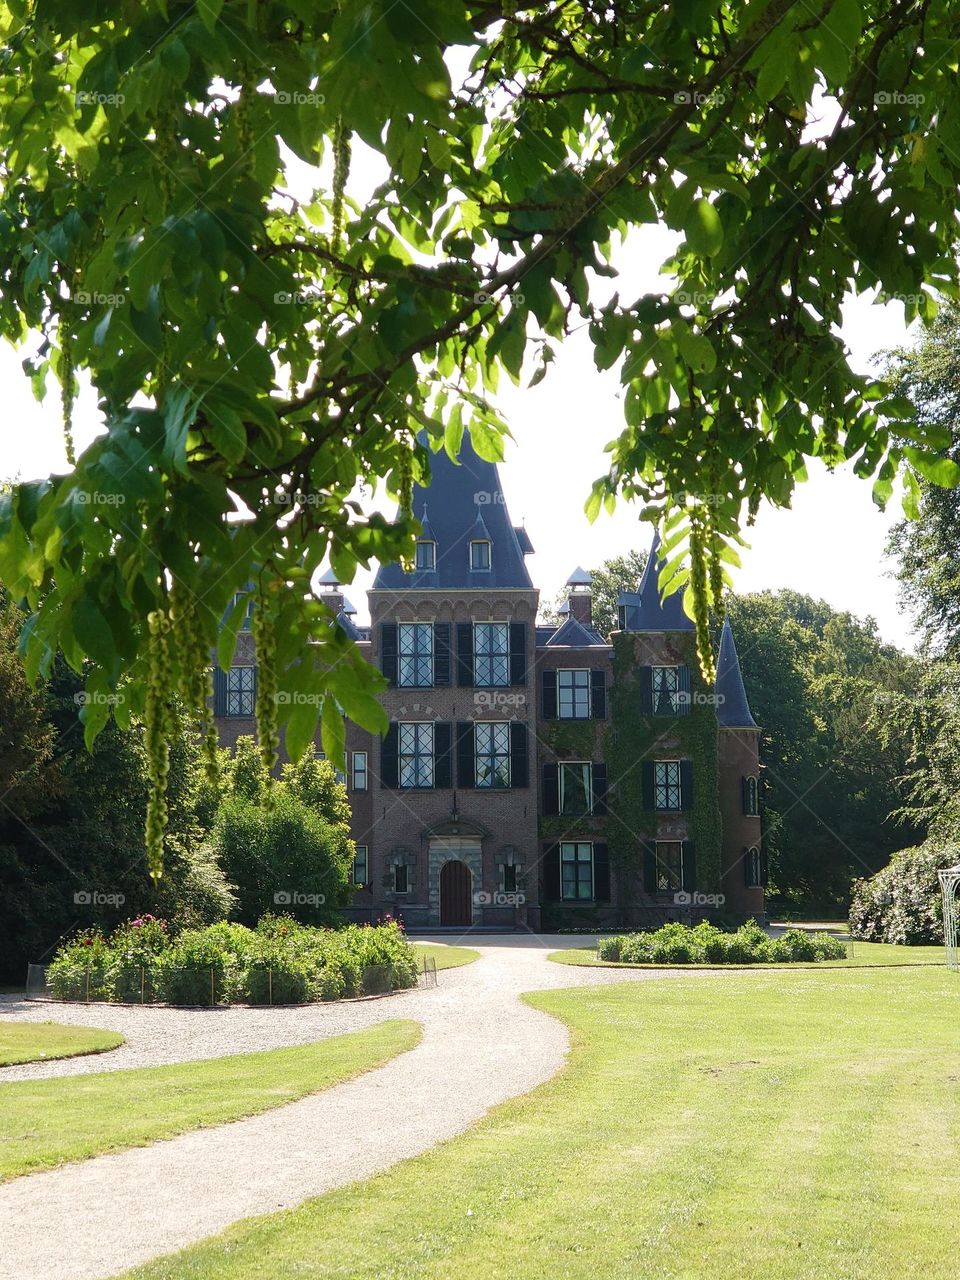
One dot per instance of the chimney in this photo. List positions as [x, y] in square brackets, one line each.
[580, 598]
[330, 592]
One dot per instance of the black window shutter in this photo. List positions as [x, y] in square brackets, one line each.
[443, 754]
[649, 867]
[388, 651]
[744, 795]
[551, 873]
[441, 654]
[519, 768]
[646, 691]
[683, 687]
[598, 694]
[601, 873]
[550, 788]
[518, 653]
[599, 772]
[686, 784]
[764, 868]
[466, 762]
[548, 694]
[465, 654]
[646, 783]
[219, 692]
[689, 866]
[389, 757]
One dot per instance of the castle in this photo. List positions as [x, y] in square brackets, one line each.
[537, 776]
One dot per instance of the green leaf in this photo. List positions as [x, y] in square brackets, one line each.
[301, 726]
[703, 229]
[209, 11]
[333, 733]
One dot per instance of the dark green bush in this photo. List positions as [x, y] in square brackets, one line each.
[706, 944]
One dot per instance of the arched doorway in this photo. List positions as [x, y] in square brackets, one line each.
[456, 893]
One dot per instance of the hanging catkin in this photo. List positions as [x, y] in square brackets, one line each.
[341, 170]
[262, 625]
[158, 716]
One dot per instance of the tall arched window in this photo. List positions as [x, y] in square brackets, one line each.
[751, 798]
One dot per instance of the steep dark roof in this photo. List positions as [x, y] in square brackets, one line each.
[733, 710]
[463, 498]
[576, 635]
[523, 538]
[348, 625]
[580, 578]
[643, 609]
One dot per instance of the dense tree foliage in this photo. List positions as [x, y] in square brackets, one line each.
[928, 546]
[259, 352]
[293, 854]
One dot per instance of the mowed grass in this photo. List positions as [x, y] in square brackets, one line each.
[44, 1123]
[859, 955]
[40, 1041]
[445, 956]
[789, 1123]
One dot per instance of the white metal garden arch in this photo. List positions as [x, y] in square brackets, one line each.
[949, 880]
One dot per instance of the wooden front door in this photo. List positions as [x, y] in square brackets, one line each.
[456, 893]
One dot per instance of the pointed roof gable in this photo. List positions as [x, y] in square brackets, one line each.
[463, 499]
[426, 532]
[733, 710]
[643, 609]
[576, 635]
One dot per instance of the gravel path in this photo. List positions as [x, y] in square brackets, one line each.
[481, 1045]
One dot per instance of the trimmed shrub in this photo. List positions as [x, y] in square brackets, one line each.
[706, 944]
[902, 903]
[279, 962]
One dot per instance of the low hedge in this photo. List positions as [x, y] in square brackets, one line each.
[278, 962]
[678, 944]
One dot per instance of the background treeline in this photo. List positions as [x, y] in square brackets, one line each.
[71, 823]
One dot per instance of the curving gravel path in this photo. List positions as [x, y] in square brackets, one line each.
[481, 1045]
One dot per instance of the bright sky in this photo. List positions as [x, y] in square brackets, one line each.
[830, 544]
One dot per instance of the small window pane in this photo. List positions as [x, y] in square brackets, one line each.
[480, 555]
[666, 687]
[426, 555]
[416, 755]
[754, 869]
[415, 645]
[241, 691]
[360, 865]
[669, 866]
[573, 695]
[491, 654]
[575, 788]
[400, 877]
[492, 754]
[359, 771]
[509, 877]
[576, 871]
[666, 780]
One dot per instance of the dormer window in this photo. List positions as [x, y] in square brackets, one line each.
[480, 555]
[426, 560]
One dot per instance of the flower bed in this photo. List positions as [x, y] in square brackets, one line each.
[706, 944]
[278, 962]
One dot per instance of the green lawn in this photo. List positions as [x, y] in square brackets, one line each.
[792, 1124]
[860, 954]
[446, 957]
[46, 1122]
[33, 1041]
